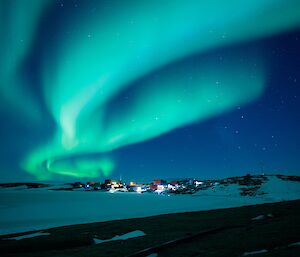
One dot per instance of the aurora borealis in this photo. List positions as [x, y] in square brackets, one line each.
[83, 82]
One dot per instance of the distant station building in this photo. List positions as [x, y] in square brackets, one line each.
[159, 185]
[110, 183]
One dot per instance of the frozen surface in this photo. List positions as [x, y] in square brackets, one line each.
[132, 234]
[30, 235]
[259, 217]
[294, 244]
[255, 252]
[281, 189]
[262, 217]
[35, 209]
[31, 209]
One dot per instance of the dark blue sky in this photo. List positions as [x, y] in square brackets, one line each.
[260, 136]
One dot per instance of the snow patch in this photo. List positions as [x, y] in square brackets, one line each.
[259, 217]
[132, 234]
[294, 244]
[262, 217]
[255, 252]
[29, 235]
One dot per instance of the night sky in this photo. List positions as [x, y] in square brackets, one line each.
[148, 89]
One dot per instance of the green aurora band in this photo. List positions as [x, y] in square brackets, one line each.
[17, 30]
[108, 51]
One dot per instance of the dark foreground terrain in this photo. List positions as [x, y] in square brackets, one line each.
[273, 228]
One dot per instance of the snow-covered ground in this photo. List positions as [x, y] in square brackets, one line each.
[275, 189]
[33, 209]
